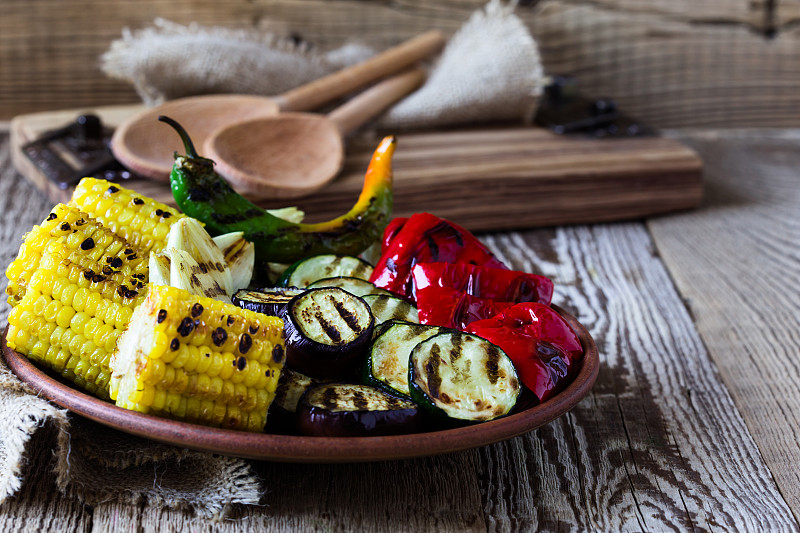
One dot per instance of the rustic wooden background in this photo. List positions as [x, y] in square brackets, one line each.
[691, 426]
[670, 63]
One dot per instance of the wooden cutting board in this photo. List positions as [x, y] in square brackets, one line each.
[484, 179]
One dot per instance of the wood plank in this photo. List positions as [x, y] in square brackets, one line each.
[736, 264]
[432, 494]
[786, 16]
[669, 63]
[672, 71]
[483, 179]
[659, 444]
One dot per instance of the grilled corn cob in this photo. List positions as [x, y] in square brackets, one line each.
[87, 242]
[139, 220]
[71, 316]
[197, 359]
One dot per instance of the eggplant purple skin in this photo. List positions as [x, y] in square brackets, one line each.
[269, 309]
[319, 360]
[320, 422]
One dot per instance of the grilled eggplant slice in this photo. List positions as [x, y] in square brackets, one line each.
[306, 271]
[461, 378]
[327, 330]
[349, 410]
[357, 286]
[291, 387]
[386, 366]
[268, 301]
[387, 307]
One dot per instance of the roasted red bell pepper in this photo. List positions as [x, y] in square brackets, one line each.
[391, 231]
[425, 238]
[452, 308]
[544, 349]
[484, 282]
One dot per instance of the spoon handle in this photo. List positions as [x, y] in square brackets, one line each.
[377, 98]
[312, 95]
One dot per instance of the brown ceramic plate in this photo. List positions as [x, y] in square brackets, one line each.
[290, 448]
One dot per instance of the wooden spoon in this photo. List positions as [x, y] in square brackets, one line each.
[146, 147]
[293, 154]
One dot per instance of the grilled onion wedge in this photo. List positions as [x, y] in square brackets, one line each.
[327, 332]
[350, 410]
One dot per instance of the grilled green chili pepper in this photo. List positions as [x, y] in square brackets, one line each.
[203, 194]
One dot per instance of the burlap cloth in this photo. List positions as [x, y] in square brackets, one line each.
[489, 70]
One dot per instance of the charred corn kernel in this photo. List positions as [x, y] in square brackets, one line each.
[87, 243]
[48, 328]
[139, 220]
[159, 369]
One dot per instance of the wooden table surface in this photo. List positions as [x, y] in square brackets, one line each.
[692, 426]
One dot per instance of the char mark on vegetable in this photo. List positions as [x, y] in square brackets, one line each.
[219, 336]
[432, 372]
[330, 398]
[493, 364]
[360, 401]
[349, 318]
[233, 218]
[455, 351]
[186, 327]
[245, 343]
[277, 353]
[196, 194]
[329, 328]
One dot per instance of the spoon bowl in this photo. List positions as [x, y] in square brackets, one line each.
[148, 150]
[293, 154]
[284, 156]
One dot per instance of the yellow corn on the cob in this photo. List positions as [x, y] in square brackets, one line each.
[87, 242]
[197, 359]
[138, 219]
[71, 317]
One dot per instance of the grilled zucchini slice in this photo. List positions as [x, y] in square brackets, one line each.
[357, 286]
[306, 271]
[461, 378]
[386, 366]
[350, 410]
[387, 307]
[328, 331]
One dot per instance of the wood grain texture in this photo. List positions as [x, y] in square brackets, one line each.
[659, 445]
[669, 63]
[670, 70]
[484, 179]
[786, 16]
[736, 263]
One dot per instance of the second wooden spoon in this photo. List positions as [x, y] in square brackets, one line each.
[294, 154]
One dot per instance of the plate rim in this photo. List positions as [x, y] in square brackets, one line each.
[308, 449]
